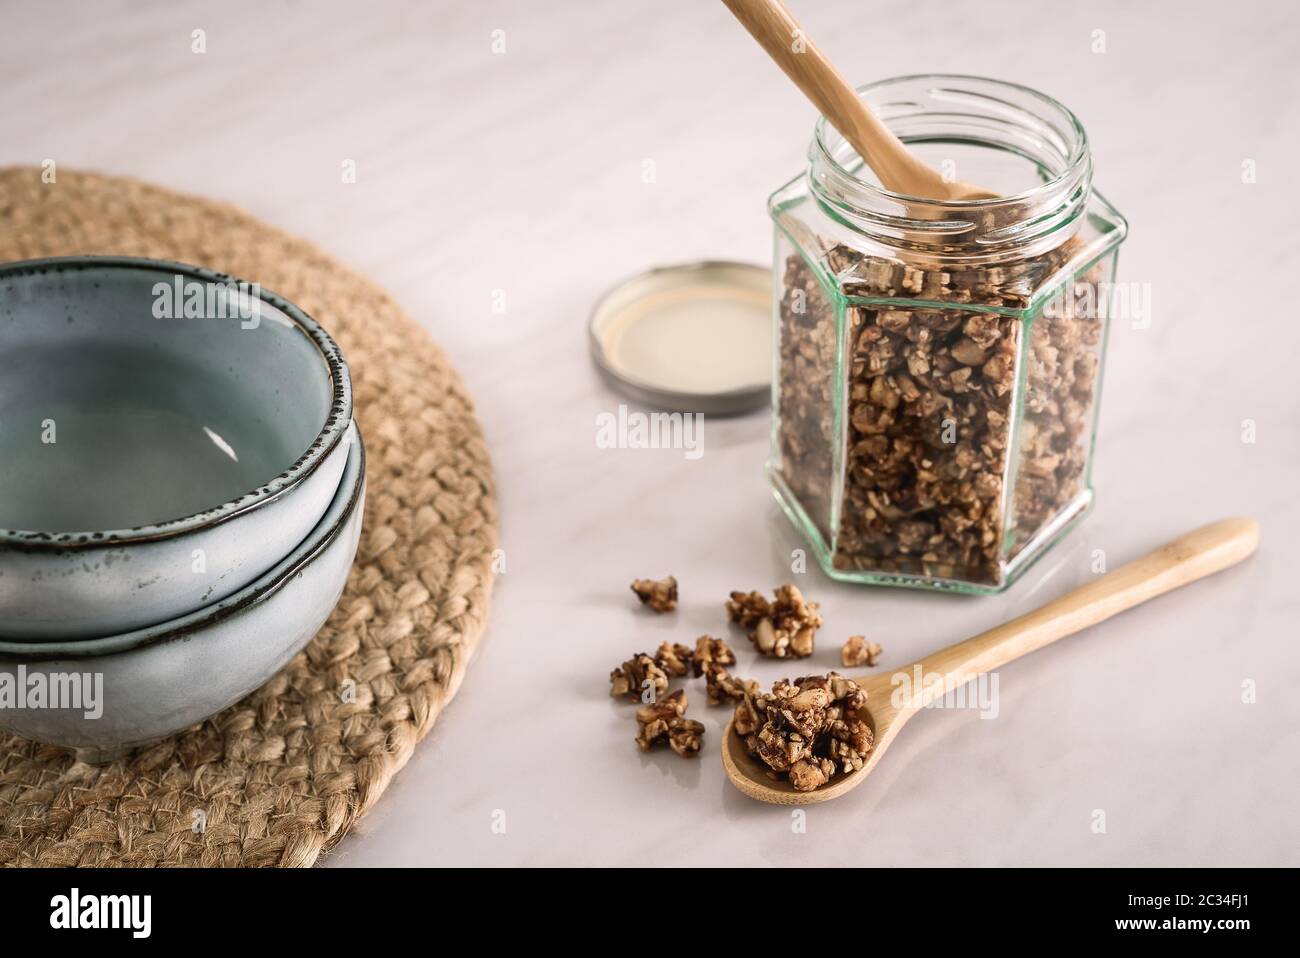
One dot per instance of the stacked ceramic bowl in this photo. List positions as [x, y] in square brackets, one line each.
[181, 492]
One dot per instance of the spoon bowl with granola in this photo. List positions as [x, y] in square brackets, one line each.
[809, 740]
[818, 737]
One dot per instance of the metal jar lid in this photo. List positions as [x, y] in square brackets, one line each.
[690, 338]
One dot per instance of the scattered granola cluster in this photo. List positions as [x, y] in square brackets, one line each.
[710, 659]
[806, 730]
[671, 660]
[785, 628]
[930, 401]
[858, 652]
[662, 716]
[665, 721]
[659, 594]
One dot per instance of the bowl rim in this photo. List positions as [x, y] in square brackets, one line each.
[327, 439]
[340, 512]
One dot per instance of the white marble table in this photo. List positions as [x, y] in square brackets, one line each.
[521, 172]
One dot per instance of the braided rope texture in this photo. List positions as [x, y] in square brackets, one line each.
[283, 775]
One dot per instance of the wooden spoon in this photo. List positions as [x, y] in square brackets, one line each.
[1208, 550]
[898, 168]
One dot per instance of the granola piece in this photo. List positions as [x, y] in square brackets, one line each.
[858, 652]
[847, 694]
[802, 705]
[747, 609]
[746, 719]
[807, 729]
[659, 594]
[790, 628]
[636, 676]
[722, 686]
[779, 751]
[851, 740]
[764, 639]
[685, 737]
[668, 707]
[665, 721]
[710, 652]
[968, 352]
[796, 617]
[809, 774]
[674, 658]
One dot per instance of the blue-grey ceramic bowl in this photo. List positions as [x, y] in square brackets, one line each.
[167, 435]
[129, 689]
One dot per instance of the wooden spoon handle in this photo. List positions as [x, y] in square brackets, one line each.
[785, 42]
[1203, 552]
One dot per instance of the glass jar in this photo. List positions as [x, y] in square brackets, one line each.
[938, 364]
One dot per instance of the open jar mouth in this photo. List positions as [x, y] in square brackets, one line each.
[1008, 138]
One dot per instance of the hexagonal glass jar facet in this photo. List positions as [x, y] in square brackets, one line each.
[938, 366]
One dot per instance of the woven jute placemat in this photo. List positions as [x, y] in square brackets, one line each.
[281, 776]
